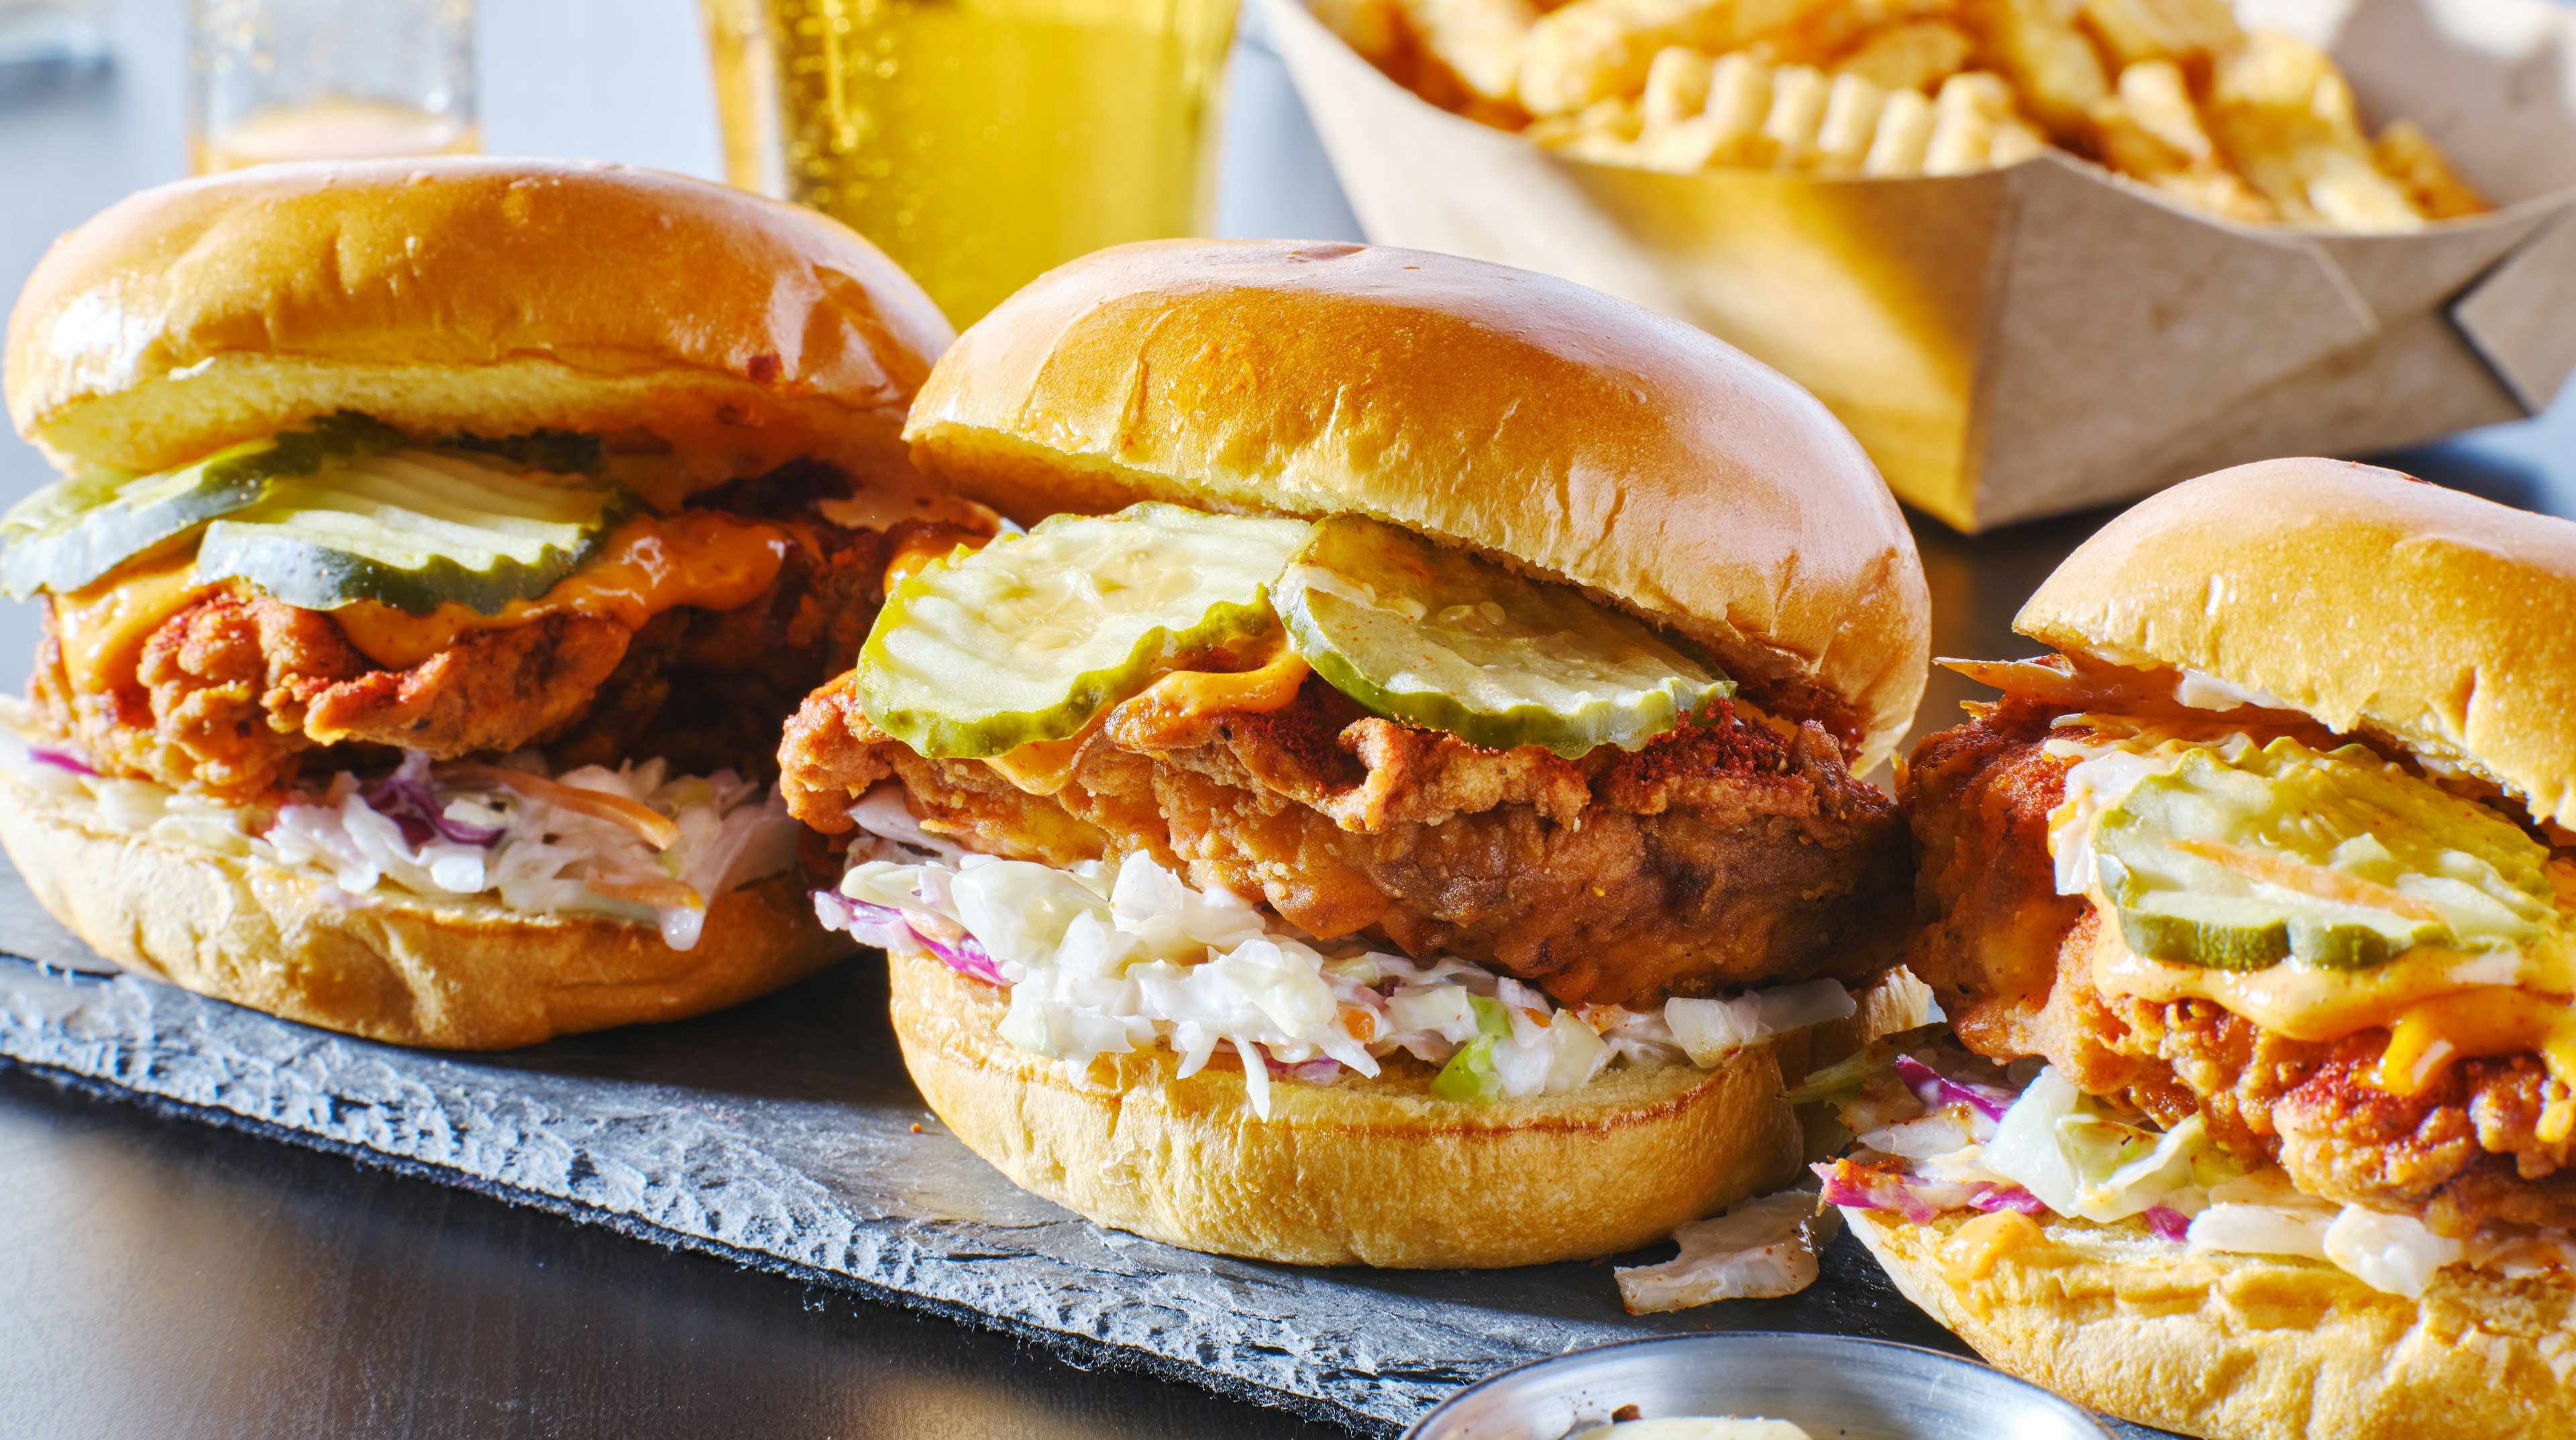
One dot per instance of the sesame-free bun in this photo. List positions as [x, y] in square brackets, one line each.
[1367, 1171]
[2370, 600]
[1552, 426]
[2239, 1347]
[468, 295]
[462, 974]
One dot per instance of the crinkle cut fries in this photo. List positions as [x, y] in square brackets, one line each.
[2253, 125]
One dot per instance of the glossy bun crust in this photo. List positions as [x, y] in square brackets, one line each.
[1540, 422]
[2241, 1347]
[449, 295]
[455, 975]
[2370, 600]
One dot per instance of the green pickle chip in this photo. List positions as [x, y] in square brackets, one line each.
[1030, 637]
[76, 530]
[1417, 631]
[2336, 860]
[414, 529]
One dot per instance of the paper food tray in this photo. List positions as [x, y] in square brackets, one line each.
[2035, 340]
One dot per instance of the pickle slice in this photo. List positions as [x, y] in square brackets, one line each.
[2284, 853]
[1031, 636]
[1416, 631]
[74, 531]
[2216, 932]
[2221, 932]
[414, 530]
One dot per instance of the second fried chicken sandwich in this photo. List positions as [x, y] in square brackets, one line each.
[442, 545]
[2254, 909]
[1397, 803]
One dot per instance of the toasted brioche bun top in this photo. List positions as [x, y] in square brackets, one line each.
[475, 295]
[1551, 426]
[2368, 599]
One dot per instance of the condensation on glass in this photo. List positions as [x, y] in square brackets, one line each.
[978, 142]
[329, 80]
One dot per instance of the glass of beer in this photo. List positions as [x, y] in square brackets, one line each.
[329, 80]
[978, 142]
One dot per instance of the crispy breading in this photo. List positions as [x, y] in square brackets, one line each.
[707, 690]
[210, 680]
[1985, 889]
[1717, 855]
[2011, 962]
[491, 690]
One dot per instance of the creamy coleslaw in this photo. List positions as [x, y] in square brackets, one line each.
[1101, 959]
[636, 843]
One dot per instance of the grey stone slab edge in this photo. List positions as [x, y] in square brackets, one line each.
[719, 1152]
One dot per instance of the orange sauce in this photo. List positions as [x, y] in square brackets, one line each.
[2477, 1024]
[104, 626]
[701, 558]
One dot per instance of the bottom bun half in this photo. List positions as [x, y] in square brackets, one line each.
[1375, 1172]
[450, 974]
[2239, 1347]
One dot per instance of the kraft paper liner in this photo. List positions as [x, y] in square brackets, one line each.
[2031, 341]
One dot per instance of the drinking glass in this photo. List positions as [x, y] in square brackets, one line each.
[329, 80]
[978, 142]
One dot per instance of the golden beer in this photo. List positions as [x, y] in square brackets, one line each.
[978, 142]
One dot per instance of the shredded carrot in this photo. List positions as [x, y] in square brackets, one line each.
[2309, 879]
[645, 889]
[659, 830]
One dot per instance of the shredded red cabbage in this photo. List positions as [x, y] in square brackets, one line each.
[878, 924]
[1317, 1070]
[2009, 1197]
[407, 800]
[2167, 1222]
[966, 958]
[60, 760]
[1936, 1089]
[1918, 1199]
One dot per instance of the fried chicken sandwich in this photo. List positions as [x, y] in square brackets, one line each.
[2253, 908]
[1397, 803]
[443, 543]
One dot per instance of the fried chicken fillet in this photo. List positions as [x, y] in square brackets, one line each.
[1719, 855]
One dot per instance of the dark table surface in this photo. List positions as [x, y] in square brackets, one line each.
[159, 1278]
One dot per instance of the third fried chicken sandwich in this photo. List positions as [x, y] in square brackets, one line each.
[1397, 803]
[2253, 907]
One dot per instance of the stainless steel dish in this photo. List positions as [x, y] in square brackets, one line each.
[1835, 1387]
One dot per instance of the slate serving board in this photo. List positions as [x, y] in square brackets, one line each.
[780, 1135]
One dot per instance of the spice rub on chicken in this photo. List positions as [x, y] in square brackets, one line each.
[1719, 854]
[2014, 963]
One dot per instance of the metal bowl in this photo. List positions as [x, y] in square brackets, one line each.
[1835, 1387]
